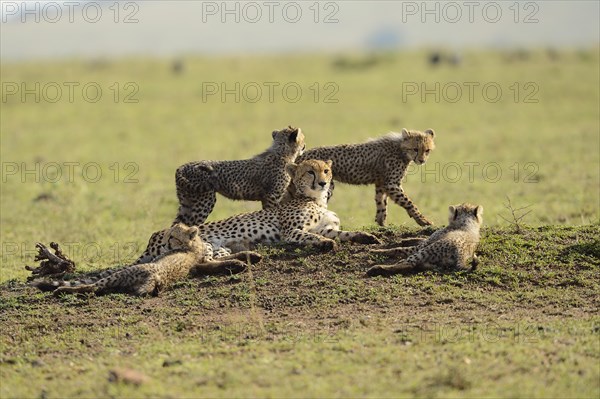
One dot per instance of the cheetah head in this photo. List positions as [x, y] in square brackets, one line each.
[180, 236]
[311, 178]
[417, 145]
[464, 214]
[288, 142]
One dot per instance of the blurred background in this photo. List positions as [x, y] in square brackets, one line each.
[93, 29]
[103, 100]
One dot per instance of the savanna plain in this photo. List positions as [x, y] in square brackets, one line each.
[516, 131]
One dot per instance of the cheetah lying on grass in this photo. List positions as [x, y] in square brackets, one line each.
[187, 254]
[303, 219]
[449, 248]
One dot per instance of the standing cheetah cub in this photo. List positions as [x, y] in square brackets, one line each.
[188, 254]
[448, 248]
[383, 162]
[262, 178]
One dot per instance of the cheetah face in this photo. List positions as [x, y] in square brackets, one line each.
[417, 146]
[289, 141]
[312, 178]
[465, 213]
[181, 236]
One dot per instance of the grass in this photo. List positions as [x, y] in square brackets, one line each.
[545, 151]
[525, 324]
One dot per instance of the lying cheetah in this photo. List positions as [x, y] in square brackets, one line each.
[449, 248]
[383, 162]
[262, 178]
[303, 219]
[187, 255]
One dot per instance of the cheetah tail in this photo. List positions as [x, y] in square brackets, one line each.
[51, 285]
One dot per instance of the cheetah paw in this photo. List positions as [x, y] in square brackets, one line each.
[377, 271]
[249, 256]
[327, 245]
[365, 238]
[235, 267]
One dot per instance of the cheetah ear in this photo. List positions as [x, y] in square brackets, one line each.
[478, 211]
[404, 131]
[193, 232]
[329, 162]
[291, 168]
[274, 134]
[293, 135]
[430, 132]
[453, 212]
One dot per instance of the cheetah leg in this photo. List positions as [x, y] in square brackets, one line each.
[220, 252]
[217, 267]
[474, 262]
[353, 236]
[462, 257]
[304, 237]
[397, 194]
[149, 287]
[196, 193]
[153, 249]
[194, 211]
[273, 198]
[397, 251]
[388, 270]
[239, 251]
[79, 289]
[417, 261]
[433, 256]
[244, 256]
[411, 242]
[381, 200]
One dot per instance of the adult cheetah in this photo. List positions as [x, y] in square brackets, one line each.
[383, 162]
[303, 219]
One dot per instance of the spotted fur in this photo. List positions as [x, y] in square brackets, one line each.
[186, 255]
[262, 178]
[303, 219]
[382, 162]
[449, 248]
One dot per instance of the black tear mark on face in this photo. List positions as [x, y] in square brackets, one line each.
[314, 179]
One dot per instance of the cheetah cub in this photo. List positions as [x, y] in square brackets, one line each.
[188, 255]
[382, 162]
[262, 178]
[449, 248]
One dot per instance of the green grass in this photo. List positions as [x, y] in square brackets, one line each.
[525, 324]
[546, 151]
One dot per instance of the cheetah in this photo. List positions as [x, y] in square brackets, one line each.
[449, 248]
[261, 178]
[188, 254]
[383, 162]
[303, 219]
